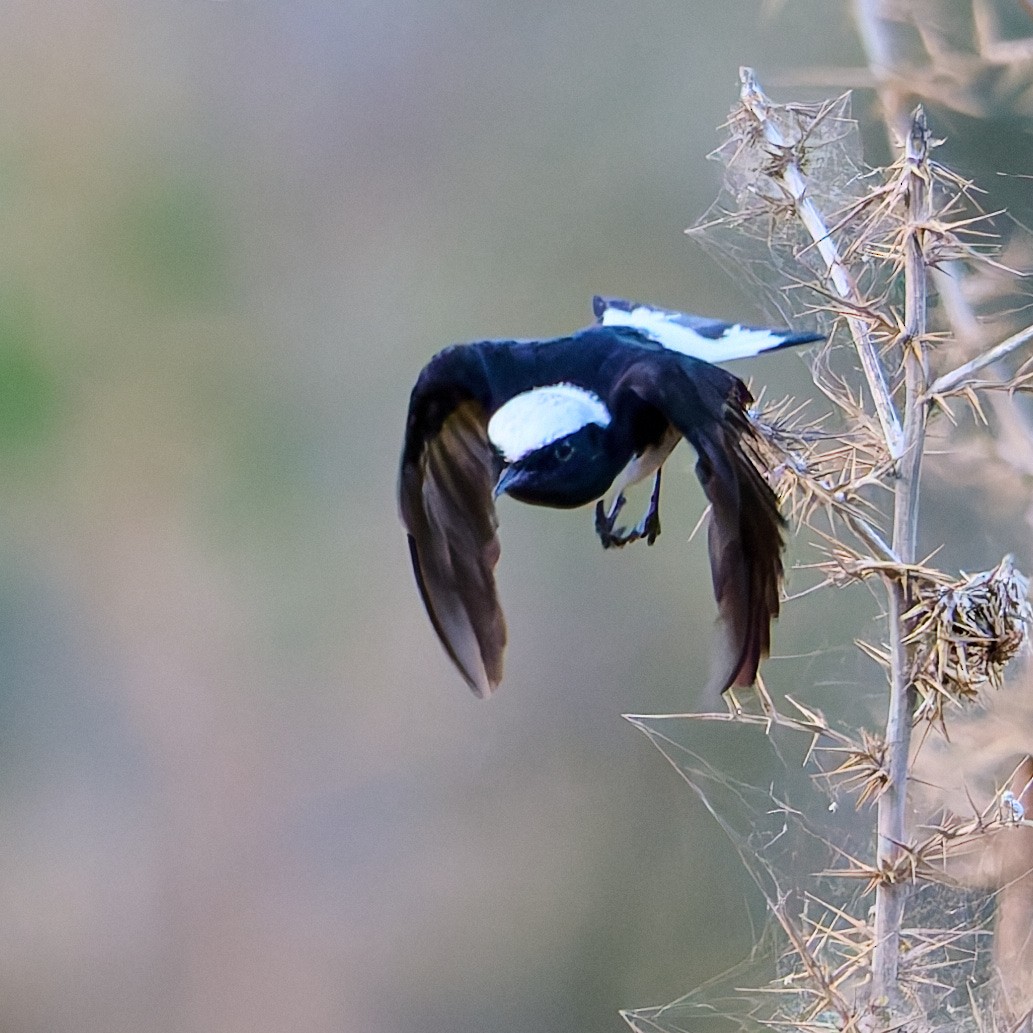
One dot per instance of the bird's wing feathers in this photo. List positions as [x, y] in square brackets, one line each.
[745, 545]
[707, 405]
[445, 497]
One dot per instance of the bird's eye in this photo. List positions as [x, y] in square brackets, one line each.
[563, 451]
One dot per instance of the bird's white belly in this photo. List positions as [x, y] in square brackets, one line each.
[646, 464]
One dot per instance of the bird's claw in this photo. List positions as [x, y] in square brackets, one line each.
[604, 523]
[617, 537]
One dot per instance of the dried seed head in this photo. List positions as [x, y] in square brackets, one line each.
[965, 633]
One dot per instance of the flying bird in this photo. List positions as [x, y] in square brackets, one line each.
[561, 423]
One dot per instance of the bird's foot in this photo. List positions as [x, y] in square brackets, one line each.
[604, 523]
[617, 537]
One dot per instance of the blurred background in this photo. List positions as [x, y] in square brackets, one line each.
[241, 787]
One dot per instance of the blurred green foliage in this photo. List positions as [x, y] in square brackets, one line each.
[28, 383]
[168, 238]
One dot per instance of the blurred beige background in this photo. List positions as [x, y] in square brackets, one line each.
[241, 787]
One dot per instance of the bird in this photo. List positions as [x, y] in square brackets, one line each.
[565, 421]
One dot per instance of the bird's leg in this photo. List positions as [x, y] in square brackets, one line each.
[604, 522]
[648, 527]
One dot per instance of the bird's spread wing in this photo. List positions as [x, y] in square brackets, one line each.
[707, 405]
[447, 475]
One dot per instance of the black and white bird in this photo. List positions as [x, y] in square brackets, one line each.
[562, 422]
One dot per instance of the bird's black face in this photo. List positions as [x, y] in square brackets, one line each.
[571, 471]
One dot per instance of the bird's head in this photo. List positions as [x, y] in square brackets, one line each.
[571, 471]
[553, 442]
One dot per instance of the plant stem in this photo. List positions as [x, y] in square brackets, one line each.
[792, 180]
[957, 377]
[891, 894]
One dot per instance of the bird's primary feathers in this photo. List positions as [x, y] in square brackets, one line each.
[559, 423]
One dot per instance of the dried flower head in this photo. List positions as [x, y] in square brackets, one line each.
[965, 633]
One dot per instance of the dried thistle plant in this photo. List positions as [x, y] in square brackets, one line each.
[866, 248]
[947, 638]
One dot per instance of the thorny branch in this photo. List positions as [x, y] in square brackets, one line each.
[891, 895]
[949, 638]
[787, 172]
[958, 379]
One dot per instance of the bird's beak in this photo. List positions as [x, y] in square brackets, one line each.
[508, 478]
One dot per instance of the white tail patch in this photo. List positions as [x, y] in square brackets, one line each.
[538, 417]
[675, 331]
